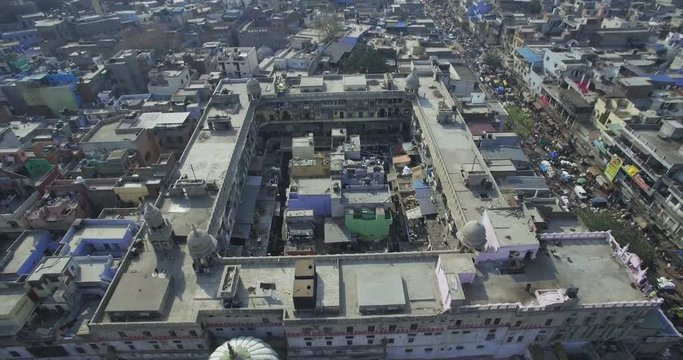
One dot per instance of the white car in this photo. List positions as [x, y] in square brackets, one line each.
[580, 192]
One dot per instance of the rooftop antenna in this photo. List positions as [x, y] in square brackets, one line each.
[193, 173]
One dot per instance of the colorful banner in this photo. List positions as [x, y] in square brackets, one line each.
[613, 167]
[641, 183]
[631, 170]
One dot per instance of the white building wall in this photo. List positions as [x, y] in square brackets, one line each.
[239, 67]
[174, 84]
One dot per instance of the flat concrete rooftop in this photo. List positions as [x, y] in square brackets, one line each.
[453, 143]
[267, 282]
[150, 120]
[21, 249]
[188, 291]
[207, 157]
[107, 133]
[587, 264]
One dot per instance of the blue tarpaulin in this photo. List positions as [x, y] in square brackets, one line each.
[529, 55]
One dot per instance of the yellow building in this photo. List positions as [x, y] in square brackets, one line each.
[132, 193]
[612, 111]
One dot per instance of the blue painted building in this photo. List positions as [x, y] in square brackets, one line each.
[98, 237]
[22, 257]
[27, 38]
[311, 194]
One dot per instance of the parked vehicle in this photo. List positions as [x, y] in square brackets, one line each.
[599, 202]
[580, 192]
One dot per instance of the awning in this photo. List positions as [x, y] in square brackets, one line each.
[539, 104]
[401, 160]
[414, 213]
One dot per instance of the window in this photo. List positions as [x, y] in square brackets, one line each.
[370, 341]
[413, 327]
[370, 336]
[156, 347]
[459, 347]
[455, 332]
[458, 323]
[411, 340]
[93, 346]
[409, 350]
[509, 339]
[172, 333]
[349, 329]
[80, 350]
[180, 347]
[349, 342]
[329, 342]
[466, 332]
[146, 333]
[390, 340]
[308, 343]
[490, 336]
[193, 333]
[371, 328]
[519, 339]
[487, 322]
[518, 323]
[428, 334]
[122, 334]
[132, 347]
[548, 322]
[496, 321]
[392, 327]
[480, 346]
[429, 349]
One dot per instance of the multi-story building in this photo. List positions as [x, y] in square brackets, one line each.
[43, 93]
[172, 129]
[165, 82]
[116, 134]
[175, 292]
[240, 62]
[128, 70]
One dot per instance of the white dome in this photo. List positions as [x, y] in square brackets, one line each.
[253, 86]
[153, 216]
[244, 348]
[473, 235]
[412, 81]
[200, 244]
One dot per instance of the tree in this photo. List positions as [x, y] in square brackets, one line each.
[365, 59]
[330, 25]
[493, 61]
[534, 7]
